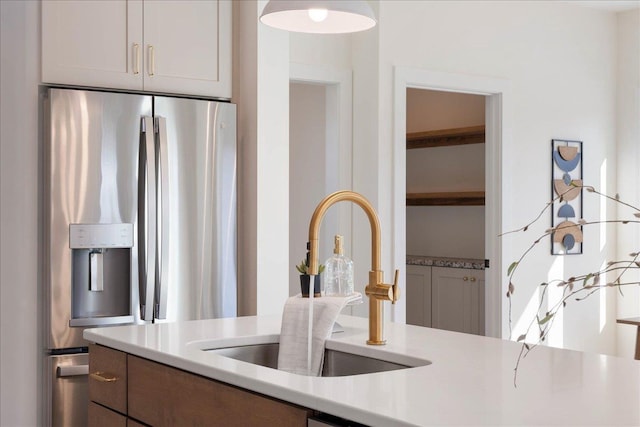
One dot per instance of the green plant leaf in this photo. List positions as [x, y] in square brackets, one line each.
[512, 267]
[545, 319]
[521, 337]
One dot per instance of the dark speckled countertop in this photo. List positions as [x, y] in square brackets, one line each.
[434, 261]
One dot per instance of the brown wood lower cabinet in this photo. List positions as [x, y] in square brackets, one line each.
[160, 395]
[99, 416]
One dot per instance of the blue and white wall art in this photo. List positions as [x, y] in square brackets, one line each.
[566, 191]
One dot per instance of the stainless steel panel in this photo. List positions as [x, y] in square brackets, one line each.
[91, 149]
[115, 297]
[102, 321]
[336, 363]
[82, 236]
[201, 179]
[69, 390]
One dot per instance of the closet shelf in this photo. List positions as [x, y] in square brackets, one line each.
[445, 137]
[449, 198]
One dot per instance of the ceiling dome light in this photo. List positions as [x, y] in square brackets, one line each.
[317, 16]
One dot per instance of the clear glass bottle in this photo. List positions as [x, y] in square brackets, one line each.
[339, 272]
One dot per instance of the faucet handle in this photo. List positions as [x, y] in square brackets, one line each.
[396, 289]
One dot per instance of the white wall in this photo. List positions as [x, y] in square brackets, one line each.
[560, 60]
[261, 90]
[20, 348]
[330, 57]
[366, 157]
[307, 168]
[325, 51]
[448, 231]
[628, 115]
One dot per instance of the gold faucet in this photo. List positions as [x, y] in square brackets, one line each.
[376, 290]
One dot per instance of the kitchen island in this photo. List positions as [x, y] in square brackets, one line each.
[469, 380]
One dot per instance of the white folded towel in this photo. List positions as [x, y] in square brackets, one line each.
[292, 356]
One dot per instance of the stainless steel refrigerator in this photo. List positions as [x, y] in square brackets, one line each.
[139, 199]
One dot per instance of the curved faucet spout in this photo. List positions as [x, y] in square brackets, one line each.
[376, 290]
[318, 215]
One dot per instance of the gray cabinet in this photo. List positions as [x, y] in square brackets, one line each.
[457, 300]
[446, 298]
[419, 295]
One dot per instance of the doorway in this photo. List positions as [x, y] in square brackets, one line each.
[497, 94]
[445, 218]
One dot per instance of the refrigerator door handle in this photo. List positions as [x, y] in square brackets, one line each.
[163, 249]
[147, 219]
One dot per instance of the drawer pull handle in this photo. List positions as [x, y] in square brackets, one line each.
[473, 279]
[103, 377]
[465, 278]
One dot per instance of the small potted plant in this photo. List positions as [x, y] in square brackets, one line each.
[303, 269]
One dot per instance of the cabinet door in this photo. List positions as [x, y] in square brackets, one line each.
[99, 416]
[419, 295]
[108, 377]
[458, 300]
[188, 47]
[160, 395]
[92, 43]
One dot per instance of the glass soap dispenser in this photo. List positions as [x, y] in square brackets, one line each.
[339, 272]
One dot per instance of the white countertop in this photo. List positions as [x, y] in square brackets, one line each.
[470, 380]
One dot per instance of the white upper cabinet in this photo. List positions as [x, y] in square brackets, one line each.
[153, 45]
[92, 43]
[188, 47]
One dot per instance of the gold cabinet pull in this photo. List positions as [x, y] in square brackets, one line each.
[465, 278]
[136, 58]
[152, 61]
[103, 377]
[473, 279]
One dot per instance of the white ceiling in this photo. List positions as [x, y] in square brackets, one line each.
[611, 5]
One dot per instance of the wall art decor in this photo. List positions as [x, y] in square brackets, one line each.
[566, 191]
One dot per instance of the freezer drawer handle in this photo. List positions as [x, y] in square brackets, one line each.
[72, 371]
[103, 377]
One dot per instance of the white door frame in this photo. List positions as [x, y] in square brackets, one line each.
[498, 125]
[339, 121]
